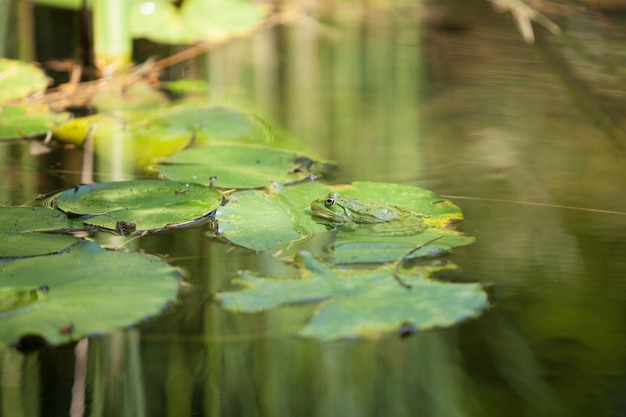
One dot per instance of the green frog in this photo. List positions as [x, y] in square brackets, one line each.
[339, 213]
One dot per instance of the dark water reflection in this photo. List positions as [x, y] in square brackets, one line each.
[460, 106]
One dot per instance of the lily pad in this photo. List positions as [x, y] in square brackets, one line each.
[363, 246]
[19, 79]
[140, 95]
[354, 248]
[195, 21]
[82, 291]
[148, 134]
[14, 298]
[139, 205]
[20, 227]
[225, 124]
[24, 121]
[240, 166]
[440, 212]
[360, 303]
[140, 136]
[259, 220]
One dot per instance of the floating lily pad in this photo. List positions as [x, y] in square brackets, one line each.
[139, 205]
[360, 303]
[258, 220]
[140, 95]
[355, 248]
[147, 134]
[139, 136]
[19, 297]
[19, 79]
[195, 21]
[20, 227]
[24, 121]
[239, 166]
[81, 291]
[225, 124]
[440, 212]
[361, 245]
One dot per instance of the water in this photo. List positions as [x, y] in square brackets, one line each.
[460, 106]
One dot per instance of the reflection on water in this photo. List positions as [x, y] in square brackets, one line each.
[461, 106]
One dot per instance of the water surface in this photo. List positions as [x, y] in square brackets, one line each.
[447, 98]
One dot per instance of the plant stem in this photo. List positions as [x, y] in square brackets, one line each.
[112, 39]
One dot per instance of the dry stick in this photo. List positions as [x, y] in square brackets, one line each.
[79, 94]
[396, 272]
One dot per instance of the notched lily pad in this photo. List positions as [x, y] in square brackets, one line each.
[240, 166]
[139, 205]
[360, 303]
[372, 244]
[21, 227]
[259, 220]
[81, 291]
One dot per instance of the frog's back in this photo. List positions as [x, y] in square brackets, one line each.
[400, 223]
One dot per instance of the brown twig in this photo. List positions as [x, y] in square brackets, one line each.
[73, 94]
[401, 261]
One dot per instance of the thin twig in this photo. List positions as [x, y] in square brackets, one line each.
[533, 203]
[401, 261]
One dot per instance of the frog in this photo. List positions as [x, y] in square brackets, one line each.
[339, 213]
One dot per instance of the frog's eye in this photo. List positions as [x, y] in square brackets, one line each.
[330, 201]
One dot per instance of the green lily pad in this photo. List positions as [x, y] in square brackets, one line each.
[360, 303]
[19, 79]
[139, 205]
[239, 166]
[148, 134]
[139, 136]
[359, 246]
[195, 21]
[82, 291]
[225, 124]
[14, 298]
[140, 95]
[354, 248]
[24, 121]
[259, 220]
[20, 229]
[440, 211]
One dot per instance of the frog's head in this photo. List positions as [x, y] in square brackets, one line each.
[330, 208]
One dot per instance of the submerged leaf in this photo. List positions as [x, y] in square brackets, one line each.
[81, 291]
[20, 227]
[239, 166]
[139, 205]
[360, 303]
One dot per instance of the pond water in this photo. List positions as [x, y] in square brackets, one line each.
[524, 138]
